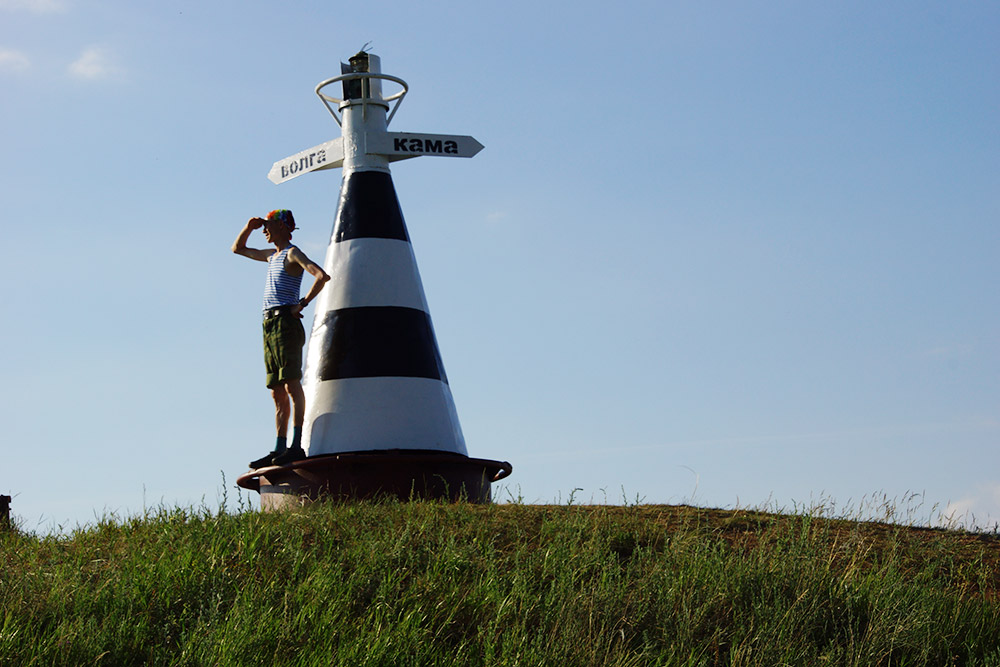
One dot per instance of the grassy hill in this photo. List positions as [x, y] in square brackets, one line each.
[425, 583]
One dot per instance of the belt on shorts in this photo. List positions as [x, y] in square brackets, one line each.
[277, 310]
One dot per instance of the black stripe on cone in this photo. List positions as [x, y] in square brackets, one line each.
[369, 208]
[379, 341]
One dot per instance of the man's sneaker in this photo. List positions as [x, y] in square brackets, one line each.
[264, 461]
[288, 456]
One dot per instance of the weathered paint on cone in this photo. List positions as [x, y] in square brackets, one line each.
[380, 417]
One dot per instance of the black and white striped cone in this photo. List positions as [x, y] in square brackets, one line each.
[380, 417]
[374, 375]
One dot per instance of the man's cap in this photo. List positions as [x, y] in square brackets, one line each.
[282, 215]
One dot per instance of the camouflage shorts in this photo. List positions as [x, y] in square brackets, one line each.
[284, 337]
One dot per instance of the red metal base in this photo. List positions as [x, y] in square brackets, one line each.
[396, 473]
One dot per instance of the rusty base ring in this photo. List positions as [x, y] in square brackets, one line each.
[396, 473]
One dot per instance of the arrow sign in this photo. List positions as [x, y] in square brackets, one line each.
[325, 156]
[402, 145]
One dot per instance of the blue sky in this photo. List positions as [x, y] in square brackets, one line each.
[726, 254]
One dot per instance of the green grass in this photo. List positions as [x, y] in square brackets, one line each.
[426, 583]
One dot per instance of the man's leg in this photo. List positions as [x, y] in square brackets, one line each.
[298, 411]
[292, 342]
[298, 402]
[281, 412]
[280, 395]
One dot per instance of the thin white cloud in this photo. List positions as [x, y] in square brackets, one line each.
[954, 352]
[13, 61]
[979, 510]
[93, 64]
[34, 6]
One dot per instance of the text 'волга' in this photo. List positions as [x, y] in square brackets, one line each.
[304, 163]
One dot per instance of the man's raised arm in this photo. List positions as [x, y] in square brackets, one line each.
[240, 244]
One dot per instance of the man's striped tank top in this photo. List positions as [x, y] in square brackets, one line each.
[281, 288]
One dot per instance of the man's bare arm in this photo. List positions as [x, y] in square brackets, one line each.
[314, 269]
[240, 244]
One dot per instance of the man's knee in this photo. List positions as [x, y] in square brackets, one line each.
[294, 388]
[279, 393]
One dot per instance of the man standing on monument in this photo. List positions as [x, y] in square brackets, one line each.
[284, 335]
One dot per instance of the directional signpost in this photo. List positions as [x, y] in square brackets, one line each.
[402, 145]
[393, 145]
[380, 417]
[325, 156]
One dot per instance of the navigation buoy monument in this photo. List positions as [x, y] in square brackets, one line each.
[380, 417]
